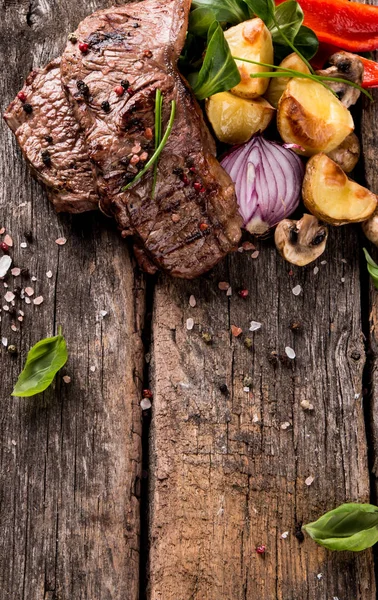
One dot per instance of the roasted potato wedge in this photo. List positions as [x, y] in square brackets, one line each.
[311, 116]
[278, 85]
[332, 197]
[235, 120]
[251, 40]
[347, 154]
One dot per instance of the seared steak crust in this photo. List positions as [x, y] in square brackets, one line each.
[191, 220]
[50, 139]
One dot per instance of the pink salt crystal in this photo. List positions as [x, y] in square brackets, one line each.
[38, 300]
[29, 291]
[137, 148]
[144, 156]
[248, 246]
[61, 241]
[134, 160]
[9, 296]
[2, 230]
[255, 254]
[13, 327]
[16, 271]
[236, 331]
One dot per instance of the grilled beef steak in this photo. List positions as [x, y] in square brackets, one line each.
[50, 139]
[123, 55]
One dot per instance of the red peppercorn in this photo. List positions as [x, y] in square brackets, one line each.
[197, 186]
[184, 179]
[192, 170]
[21, 96]
[260, 549]
[119, 90]
[83, 47]
[4, 247]
[130, 90]
[243, 293]
[147, 394]
[203, 226]
[202, 190]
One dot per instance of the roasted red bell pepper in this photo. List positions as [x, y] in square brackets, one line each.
[348, 25]
[370, 67]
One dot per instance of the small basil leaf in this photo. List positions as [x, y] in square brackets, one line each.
[305, 42]
[43, 362]
[349, 527]
[289, 17]
[263, 9]
[200, 20]
[219, 72]
[372, 268]
[228, 11]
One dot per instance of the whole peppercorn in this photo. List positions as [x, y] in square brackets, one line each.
[28, 236]
[243, 293]
[119, 90]
[72, 38]
[197, 186]
[21, 96]
[83, 88]
[223, 388]
[49, 139]
[125, 84]
[203, 226]
[28, 108]
[12, 349]
[25, 273]
[261, 549]
[207, 338]
[83, 47]
[105, 106]
[248, 343]
[4, 247]
[46, 158]
[147, 394]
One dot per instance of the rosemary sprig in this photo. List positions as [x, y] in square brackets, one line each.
[284, 71]
[158, 124]
[158, 150]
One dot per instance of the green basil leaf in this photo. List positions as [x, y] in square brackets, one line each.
[228, 11]
[43, 362]
[305, 41]
[349, 527]
[289, 17]
[262, 8]
[372, 268]
[200, 21]
[219, 72]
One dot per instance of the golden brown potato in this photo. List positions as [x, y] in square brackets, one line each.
[278, 85]
[370, 228]
[347, 154]
[235, 120]
[251, 40]
[332, 197]
[311, 116]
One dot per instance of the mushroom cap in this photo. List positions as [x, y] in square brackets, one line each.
[344, 65]
[301, 242]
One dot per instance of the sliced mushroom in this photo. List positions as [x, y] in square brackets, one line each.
[301, 242]
[347, 154]
[346, 66]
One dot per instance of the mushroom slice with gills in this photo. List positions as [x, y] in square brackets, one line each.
[301, 242]
[344, 65]
[347, 154]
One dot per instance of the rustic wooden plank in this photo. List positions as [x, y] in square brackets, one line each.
[70, 460]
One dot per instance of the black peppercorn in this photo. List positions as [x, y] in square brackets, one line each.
[49, 139]
[223, 388]
[28, 236]
[105, 106]
[27, 108]
[83, 88]
[125, 84]
[135, 25]
[46, 158]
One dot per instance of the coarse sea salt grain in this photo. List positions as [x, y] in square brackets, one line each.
[93, 368]
[285, 426]
[61, 241]
[23, 245]
[27, 301]
[103, 313]
[254, 326]
[319, 576]
[34, 278]
[66, 379]
[316, 270]
[37, 301]
[255, 254]
[4, 341]
[145, 404]
[16, 271]
[9, 296]
[229, 291]
[255, 419]
[309, 480]
[13, 327]
[189, 324]
[246, 389]
[284, 535]
[5, 263]
[297, 290]
[5, 307]
[290, 352]
[49, 274]
[192, 301]
[29, 291]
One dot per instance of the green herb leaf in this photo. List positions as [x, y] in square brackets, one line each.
[43, 362]
[219, 72]
[349, 527]
[372, 267]
[305, 42]
[227, 11]
[200, 21]
[263, 8]
[289, 17]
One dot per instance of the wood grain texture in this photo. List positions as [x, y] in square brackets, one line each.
[229, 471]
[69, 460]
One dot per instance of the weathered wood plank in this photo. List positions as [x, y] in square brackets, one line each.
[69, 461]
[229, 471]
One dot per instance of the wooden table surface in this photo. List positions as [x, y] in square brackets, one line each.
[101, 502]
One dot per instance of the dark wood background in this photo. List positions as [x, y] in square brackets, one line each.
[226, 471]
